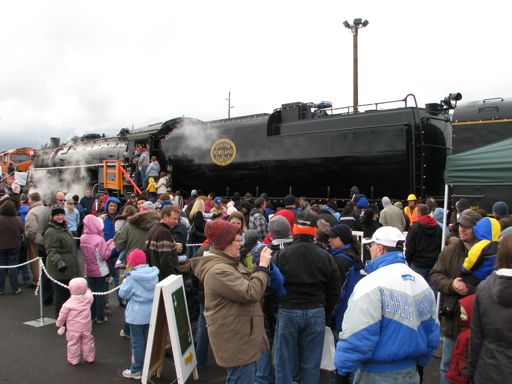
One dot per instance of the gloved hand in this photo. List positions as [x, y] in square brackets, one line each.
[60, 265]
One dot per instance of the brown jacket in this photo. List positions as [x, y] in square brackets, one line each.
[447, 268]
[232, 308]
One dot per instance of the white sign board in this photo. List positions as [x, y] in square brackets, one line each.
[170, 313]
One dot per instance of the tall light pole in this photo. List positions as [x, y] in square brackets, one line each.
[229, 104]
[358, 23]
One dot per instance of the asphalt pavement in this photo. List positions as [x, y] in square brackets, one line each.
[38, 355]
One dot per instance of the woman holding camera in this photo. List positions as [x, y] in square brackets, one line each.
[62, 258]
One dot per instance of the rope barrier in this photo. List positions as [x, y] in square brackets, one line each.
[52, 279]
[67, 287]
[17, 265]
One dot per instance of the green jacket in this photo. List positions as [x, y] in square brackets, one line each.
[60, 245]
[133, 234]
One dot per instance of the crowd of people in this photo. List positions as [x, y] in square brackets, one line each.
[267, 282]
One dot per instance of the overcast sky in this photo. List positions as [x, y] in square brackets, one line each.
[69, 67]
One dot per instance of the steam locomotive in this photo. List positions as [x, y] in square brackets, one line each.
[475, 124]
[301, 148]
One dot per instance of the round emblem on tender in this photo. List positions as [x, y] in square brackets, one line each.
[223, 152]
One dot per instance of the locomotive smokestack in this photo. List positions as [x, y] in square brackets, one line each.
[54, 142]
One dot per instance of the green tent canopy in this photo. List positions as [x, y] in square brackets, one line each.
[488, 165]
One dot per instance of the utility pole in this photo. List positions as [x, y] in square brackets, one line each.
[358, 23]
[229, 104]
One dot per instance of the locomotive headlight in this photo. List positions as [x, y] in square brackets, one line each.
[450, 101]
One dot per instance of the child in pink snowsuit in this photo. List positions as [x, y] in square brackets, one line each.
[76, 314]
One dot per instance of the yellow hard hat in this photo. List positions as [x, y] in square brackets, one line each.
[411, 197]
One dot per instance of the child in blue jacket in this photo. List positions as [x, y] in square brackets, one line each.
[138, 288]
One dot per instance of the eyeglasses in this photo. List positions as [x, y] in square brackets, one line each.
[237, 240]
[369, 246]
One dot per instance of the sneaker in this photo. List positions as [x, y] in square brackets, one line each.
[128, 374]
[18, 291]
[105, 319]
[122, 333]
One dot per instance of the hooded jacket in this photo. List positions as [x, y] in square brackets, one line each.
[138, 288]
[423, 242]
[232, 307]
[76, 311]
[109, 229]
[490, 353]
[392, 216]
[133, 234]
[482, 256]
[458, 372]
[94, 249]
[391, 321]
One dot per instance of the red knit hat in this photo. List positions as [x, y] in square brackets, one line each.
[220, 233]
[136, 257]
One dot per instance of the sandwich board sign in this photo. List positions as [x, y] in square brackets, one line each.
[170, 323]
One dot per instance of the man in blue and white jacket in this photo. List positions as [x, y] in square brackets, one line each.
[390, 325]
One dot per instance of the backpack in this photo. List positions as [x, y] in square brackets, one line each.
[351, 279]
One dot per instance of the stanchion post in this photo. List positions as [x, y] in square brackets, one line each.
[41, 293]
[42, 321]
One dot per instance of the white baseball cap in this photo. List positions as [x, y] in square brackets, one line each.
[387, 236]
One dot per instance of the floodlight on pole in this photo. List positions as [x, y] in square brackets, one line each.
[358, 23]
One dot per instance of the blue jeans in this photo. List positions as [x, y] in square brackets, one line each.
[425, 273]
[403, 376]
[138, 339]
[9, 257]
[244, 374]
[122, 256]
[22, 257]
[98, 284]
[143, 177]
[264, 362]
[446, 356]
[202, 339]
[298, 345]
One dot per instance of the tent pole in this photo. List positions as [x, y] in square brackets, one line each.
[445, 214]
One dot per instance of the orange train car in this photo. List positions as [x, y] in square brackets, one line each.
[20, 158]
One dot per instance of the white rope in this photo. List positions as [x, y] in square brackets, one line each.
[17, 265]
[67, 287]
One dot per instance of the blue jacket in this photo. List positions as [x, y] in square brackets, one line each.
[109, 229]
[390, 323]
[138, 288]
[23, 212]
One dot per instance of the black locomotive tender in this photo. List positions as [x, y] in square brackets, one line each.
[301, 148]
